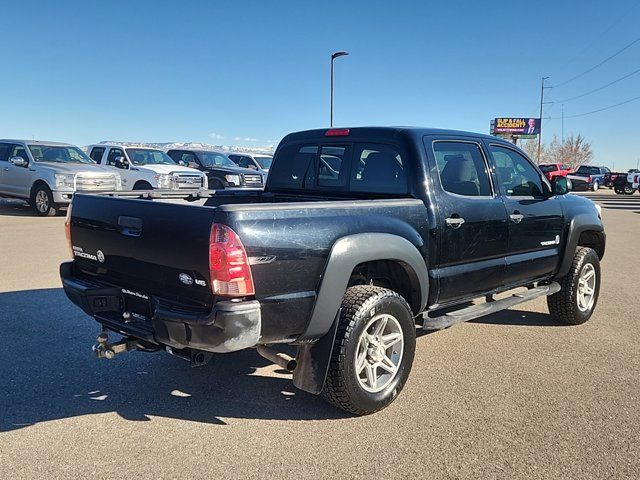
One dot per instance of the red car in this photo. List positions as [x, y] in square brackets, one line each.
[551, 170]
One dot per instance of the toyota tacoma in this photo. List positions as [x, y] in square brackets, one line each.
[360, 235]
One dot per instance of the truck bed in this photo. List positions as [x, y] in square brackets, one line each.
[148, 246]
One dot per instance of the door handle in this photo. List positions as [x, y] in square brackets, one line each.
[454, 222]
[516, 217]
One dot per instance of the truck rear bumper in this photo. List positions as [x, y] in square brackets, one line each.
[228, 327]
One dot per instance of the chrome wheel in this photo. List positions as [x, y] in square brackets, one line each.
[42, 201]
[379, 353]
[586, 288]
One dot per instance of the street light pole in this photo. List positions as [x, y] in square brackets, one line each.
[333, 57]
[541, 103]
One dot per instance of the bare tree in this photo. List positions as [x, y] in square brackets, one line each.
[530, 147]
[574, 151]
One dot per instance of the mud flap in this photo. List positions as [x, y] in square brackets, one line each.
[313, 361]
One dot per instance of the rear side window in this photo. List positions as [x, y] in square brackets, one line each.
[96, 154]
[4, 151]
[294, 168]
[378, 169]
[462, 168]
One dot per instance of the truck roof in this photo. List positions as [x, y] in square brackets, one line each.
[124, 145]
[36, 142]
[388, 132]
[199, 150]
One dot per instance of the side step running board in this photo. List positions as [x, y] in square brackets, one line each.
[482, 309]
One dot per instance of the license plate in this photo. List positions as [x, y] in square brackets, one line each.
[138, 305]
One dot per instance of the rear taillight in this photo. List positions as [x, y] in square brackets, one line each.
[589, 179]
[67, 230]
[635, 179]
[228, 263]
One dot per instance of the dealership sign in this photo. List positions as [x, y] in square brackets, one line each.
[516, 126]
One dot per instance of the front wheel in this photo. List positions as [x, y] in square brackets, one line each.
[628, 189]
[373, 350]
[141, 185]
[579, 289]
[42, 201]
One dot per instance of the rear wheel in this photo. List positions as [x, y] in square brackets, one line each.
[628, 189]
[578, 295]
[42, 201]
[373, 350]
[596, 185]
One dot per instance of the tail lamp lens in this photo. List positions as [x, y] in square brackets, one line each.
[228, 263]
[67, 230]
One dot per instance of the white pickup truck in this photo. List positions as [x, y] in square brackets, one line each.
[46, 174]
[633, 178]
[144, 168]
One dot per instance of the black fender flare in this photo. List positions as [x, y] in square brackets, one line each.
[580, 223]
[348, 252]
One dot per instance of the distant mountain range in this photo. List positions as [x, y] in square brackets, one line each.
[197, 146]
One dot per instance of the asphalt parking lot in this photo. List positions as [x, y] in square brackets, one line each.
[512, 395]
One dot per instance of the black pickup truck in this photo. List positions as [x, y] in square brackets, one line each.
[360, 234]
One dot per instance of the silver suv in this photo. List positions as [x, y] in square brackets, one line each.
[46, 174]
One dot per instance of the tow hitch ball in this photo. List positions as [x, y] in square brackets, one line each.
[104, 349]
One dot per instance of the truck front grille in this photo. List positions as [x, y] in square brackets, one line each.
[93, 183]
[187, 182]
[252, 180]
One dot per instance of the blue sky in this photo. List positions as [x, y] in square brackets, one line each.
[248, 72]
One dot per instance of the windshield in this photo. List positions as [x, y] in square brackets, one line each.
[58, 154]
[548, 168]
[214, 159]
[265, 162]
[588, 170]
[144, 156]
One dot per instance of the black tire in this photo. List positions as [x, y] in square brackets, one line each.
[361, 305]
[595, 187]
[216, 185]
[142, 186]
[42, 201]
[628, 189]
[619, 190]
[563, 305]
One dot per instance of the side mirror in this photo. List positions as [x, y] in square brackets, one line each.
[19, 161]
[560, 185]
[184, 163]
[122, 162]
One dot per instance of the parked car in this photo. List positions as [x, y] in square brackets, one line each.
[220, 170]
[588, 177]
[552, 170]
[633, 179]
[255, 161]
[47, 174]
[144, 168]
[340, 259]
[610, 178]
[623, 183]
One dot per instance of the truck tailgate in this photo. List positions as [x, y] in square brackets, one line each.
[151, 247]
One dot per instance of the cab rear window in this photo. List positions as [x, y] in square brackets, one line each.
[356, 167]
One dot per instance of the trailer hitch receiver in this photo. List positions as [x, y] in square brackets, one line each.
[104, 349]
